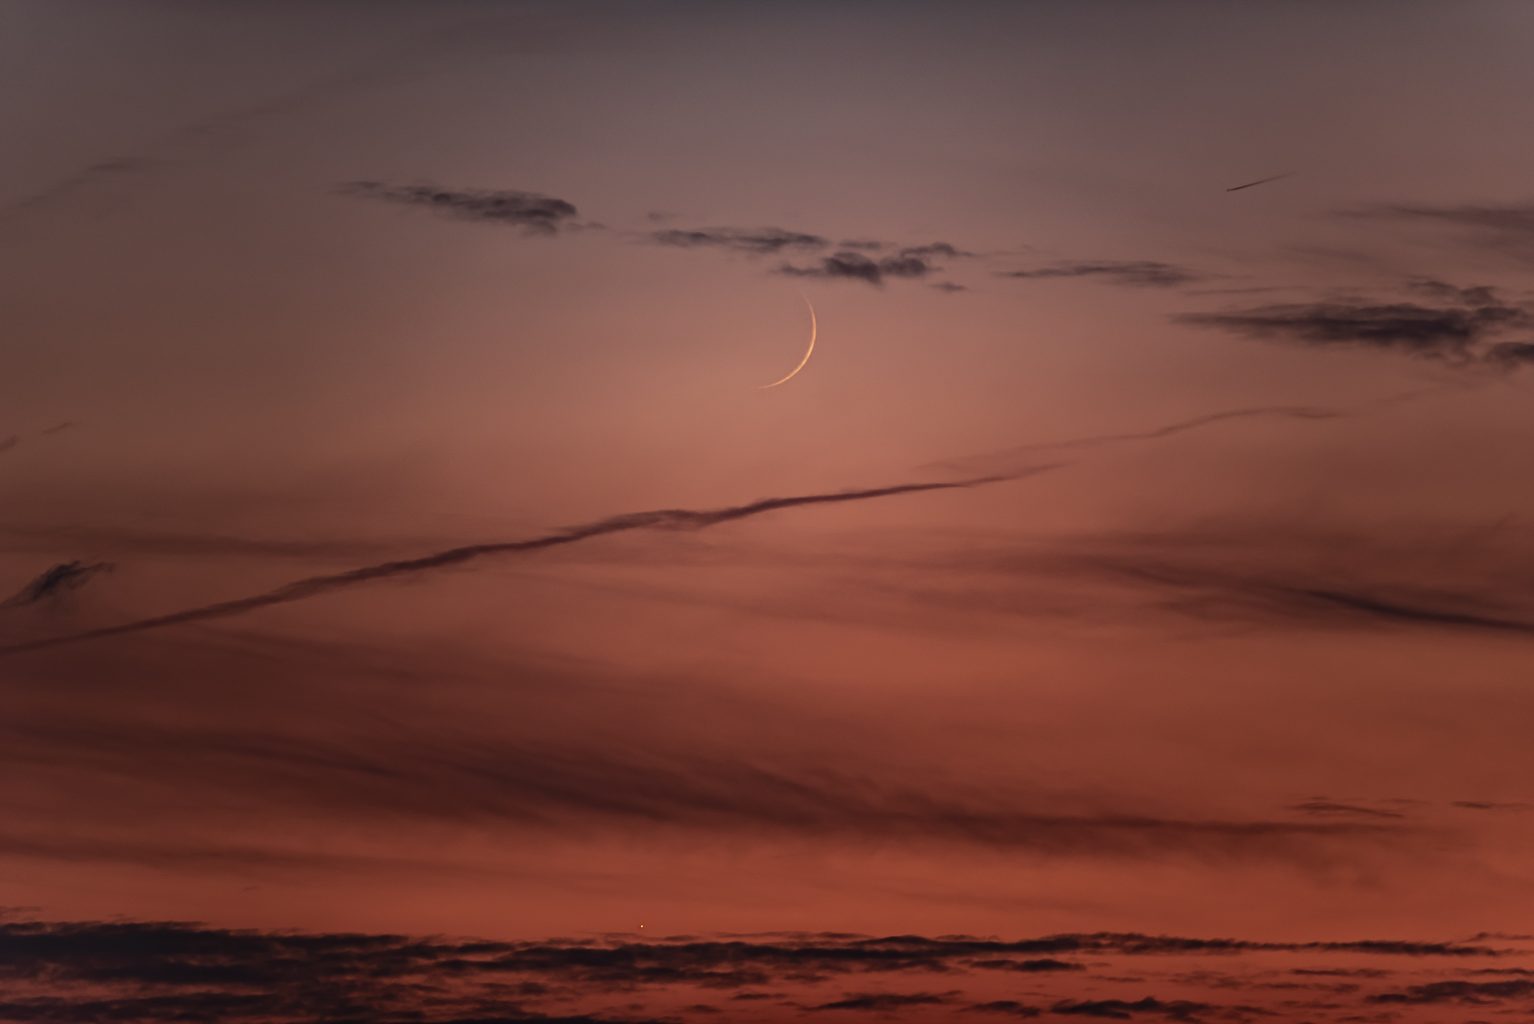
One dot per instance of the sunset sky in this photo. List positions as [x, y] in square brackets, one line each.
[413, 608]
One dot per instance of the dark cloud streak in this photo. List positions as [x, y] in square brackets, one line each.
[534, 213]
[163, 971]
[854, 266]
[1504, 228]
[1131, 273]
[1447, 333]
[470, 778]
[756, 241]
[1266, 577]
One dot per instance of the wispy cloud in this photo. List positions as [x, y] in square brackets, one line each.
[1332, 808]
[157, 972]
[1132, 273]
[492, 780]
[532, 212]
[936, 250]
[1507, 228]
[1269, 575]
[1453, 331]
[886, 1002]
[1470, 993]
[854, 260]
[1124, 1009]
[756, 241]
[1491, 805]
[854, 266]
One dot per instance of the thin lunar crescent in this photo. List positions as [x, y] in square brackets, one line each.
[807, 352]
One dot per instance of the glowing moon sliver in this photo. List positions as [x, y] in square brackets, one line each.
[807, 352]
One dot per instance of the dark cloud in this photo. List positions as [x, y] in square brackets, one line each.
[1452, 331]
[904, 265]
[849, 262]
[533, 213]
[1489, 805]
[949, 286]
[1010, 1007]
[933, 250]
[471, 778]
[1509, 355]
[1504, 227]
[1283, 577]
[1042, 965]
[886, 1002]
[58, 580]
[1475, 993]
[1330, 808]
[1402, 610]
[1474, 296]
[757, 241]
[173, 971]
[1119, 1009]
[684, 519]
[191, 953]
[854, 266]
[1132, 273]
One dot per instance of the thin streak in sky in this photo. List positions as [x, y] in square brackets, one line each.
[1259, 181]
[314, 586]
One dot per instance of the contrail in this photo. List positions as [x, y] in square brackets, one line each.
[974, 463]
[1259, 181]
[314, 586]
[1298, 412]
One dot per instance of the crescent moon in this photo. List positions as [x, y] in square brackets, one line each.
[807, 352]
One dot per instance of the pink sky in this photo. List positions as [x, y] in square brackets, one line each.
[1238, 646]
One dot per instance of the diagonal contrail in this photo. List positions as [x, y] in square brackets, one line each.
[978, 463]
[1298, 412]
[674, 518]
[1260, 181]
